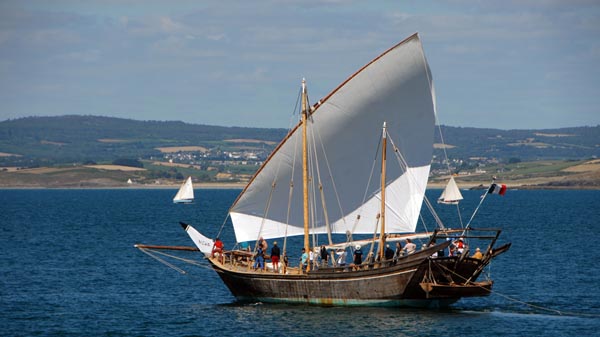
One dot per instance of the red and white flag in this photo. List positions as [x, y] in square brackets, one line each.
[497, 189]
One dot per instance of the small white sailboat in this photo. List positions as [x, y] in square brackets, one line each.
[451, 194]
[185, 195]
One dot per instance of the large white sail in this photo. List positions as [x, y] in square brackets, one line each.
[185, 193]
[451, 194]
[344, 132]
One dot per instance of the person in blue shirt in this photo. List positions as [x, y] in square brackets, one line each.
[304, 259]
[259, 260]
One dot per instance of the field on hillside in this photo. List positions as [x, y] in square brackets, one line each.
[539, 174]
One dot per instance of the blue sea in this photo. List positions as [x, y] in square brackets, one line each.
[69, 268]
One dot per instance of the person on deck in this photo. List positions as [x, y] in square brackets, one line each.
[262, 243]
[312, 257]
[275, 253]
[459, 245]
[217, 248]
[435, 254]
[285, 262]
[389, 253]
[398, 252]
[324, 256]
[259, 260]
[304, 260]
[341, 261]
[409, 247]
[477, 254]
[357, 256]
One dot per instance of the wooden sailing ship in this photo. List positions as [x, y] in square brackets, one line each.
[328, 151]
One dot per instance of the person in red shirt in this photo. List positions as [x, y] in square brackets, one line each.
[217, 247]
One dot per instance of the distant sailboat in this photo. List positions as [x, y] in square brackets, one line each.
[185, 195]
[451, 194]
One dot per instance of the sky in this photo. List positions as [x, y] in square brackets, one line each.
[527, 64]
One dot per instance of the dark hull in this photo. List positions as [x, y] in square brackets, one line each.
[446, 271]
[384, 285]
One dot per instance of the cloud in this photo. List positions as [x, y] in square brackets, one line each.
[495, 56]
[85, 56]
[168, 25]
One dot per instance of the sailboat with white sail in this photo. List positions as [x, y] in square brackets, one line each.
[320, 181]
[185, 194]
[451, 194]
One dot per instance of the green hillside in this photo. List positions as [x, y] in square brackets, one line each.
[43, 141]
[47, 141]
[527, 145]
[63, 152]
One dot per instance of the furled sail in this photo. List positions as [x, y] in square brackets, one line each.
[344, 132]
[185, 193]
[451, 194]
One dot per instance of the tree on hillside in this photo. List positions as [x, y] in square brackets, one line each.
[128, 162]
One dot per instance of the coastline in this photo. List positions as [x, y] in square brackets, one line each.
[240, 186]
[200, 186]
[560, 175]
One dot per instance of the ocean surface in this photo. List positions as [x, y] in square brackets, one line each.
[69, 268]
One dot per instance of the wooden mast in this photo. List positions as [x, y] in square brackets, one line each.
[382, 212]
[305, 169]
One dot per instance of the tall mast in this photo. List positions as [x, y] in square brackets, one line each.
[305, 167]
[382, 212]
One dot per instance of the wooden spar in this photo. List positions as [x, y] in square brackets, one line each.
[383, 158]
[194, 249]
[305, 167]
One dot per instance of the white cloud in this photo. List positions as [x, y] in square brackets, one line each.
[480, 52]
[167, 25]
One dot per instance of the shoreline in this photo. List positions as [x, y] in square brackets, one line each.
[240, 186]
[197, 186]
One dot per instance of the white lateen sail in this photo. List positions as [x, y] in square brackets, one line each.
[451, 194]
[185, 193]
[395, 88]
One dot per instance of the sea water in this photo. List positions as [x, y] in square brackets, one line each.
[69, 268]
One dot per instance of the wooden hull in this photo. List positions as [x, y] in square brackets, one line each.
[387, 285]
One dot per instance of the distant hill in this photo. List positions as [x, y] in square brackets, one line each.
[40, 141]
[527, 145]
[44, 141]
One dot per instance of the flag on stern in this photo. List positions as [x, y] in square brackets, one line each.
[497, 189]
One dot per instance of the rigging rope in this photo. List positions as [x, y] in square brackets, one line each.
[290, 194]
[267, 207]
[404, 166]
[337, 196]
[311, 188]
[366, 187]
[434, 102]
[150, 252]
[523, 302]
[273, 185]
[374, 237]
[222, 225]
